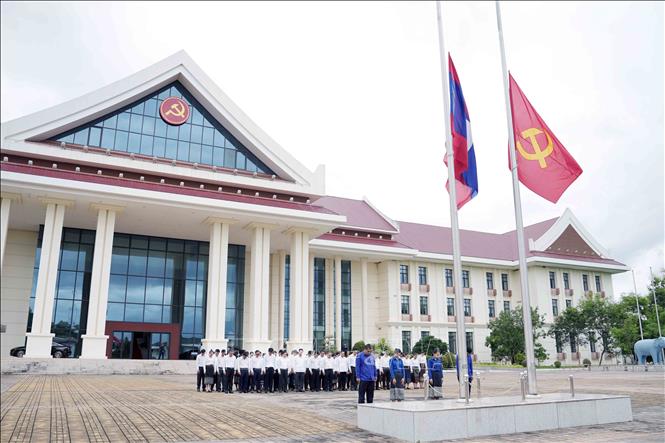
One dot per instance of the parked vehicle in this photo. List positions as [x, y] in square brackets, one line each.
[189, 355]
[58, 350]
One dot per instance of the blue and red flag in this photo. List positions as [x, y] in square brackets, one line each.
[466, 174]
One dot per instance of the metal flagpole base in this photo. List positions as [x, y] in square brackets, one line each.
[533, 396]
[463, 400]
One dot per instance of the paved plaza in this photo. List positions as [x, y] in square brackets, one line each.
[80, 408]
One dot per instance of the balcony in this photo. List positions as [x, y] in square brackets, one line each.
[451, 319]
[450, 289]
[470, 319]
[405, 287]
[554, 291]
[568, 292]
[561, 356]
[425, 317]
[468, 291]
[491, 292]
[575, 356]
[601, 294]
[588, 294]
[423, 289]
[508, 293]
[595, 355]
[407, 317]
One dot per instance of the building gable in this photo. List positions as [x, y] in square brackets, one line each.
[571, 243]
[138, 128]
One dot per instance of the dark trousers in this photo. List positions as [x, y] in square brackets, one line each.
[386, 378]
[220, 378]
[200, 374]
[228, 381]
[377, 382]
[341, 381]
[328, 381]
[244, 380]
[283, 379]
[353, 378]
[366, 391]
[275, 380]
[300, 381]
[268, 379]
[258, 380]
[292, 381]
[308, 379]
[315, 381]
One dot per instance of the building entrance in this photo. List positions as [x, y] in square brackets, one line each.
[140, 345]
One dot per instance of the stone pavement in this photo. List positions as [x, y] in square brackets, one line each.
[103, 408]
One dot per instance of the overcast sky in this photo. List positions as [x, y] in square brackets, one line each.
[356, 86]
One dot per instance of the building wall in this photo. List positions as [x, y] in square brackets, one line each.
[16, 285]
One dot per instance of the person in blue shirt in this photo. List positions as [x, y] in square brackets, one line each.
[435, 374]
[469, 365]
[366, 374]
[397, 376]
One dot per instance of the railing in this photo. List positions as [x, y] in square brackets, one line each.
[508, 293]
[491, 292]
[423, 289]
[407, 317]
[468, 291]
[568, 292]
[554, 291]
[405, 286]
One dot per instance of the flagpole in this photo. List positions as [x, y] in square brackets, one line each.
[454, 224]
[655, 302]
[637, 303]
[524, 280]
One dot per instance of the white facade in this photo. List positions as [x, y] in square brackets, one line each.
[272, 217]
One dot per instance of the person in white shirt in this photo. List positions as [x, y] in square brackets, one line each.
[299, 368]
[352, 370]
[243, 368]
[258, 368]
[329, 366]
[385, 368]
[308, 371]
[292, 373]
[230, 368]
[220, 370]
[283, 365]
[422, 363]
[343, 371]
[315, 378]
[200, 370]
[210, 371]
[268, 380]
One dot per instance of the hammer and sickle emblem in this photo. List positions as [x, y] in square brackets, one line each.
[176, 109]
[537, 153]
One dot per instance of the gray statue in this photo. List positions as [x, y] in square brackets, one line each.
[652, 347]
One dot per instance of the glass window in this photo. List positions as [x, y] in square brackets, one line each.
[555, 307]
[491, 309]
[465, 279]
[136, 127]
[450, 306]
[449, 278]
[452, 342]
[346, 305]
[504, 282]
[552, 280]
[506, 306]
[403, 274]
[405, 304]
[424, 306]
[319, 313]
[573, 343]
[424, 334]
[287, 297]
[422, 275]
[467, 307]
[489, 276]
[592, 342]
[566, 281]
[406, 341]
[585, 282]
[598, 287]
[569, 303]
[469, 342]
[558, 343]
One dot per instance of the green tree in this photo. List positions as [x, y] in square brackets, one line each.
[383, 346]
[358, 346]
[506, 337]
[570, 324]
[428, 344]
[601, 316]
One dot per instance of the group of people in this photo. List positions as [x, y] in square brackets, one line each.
[281, 371]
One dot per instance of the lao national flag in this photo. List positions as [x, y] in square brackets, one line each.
[543, 164]
[466, 175]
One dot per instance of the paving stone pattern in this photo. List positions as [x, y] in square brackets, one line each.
[103, 408]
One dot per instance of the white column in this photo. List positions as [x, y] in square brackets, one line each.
[338, 303]
[94, 341]
[274, 300]
[257, 333]
[218, 253]
[300, 336]
[330, 296]
[282, 297]
[364, 298]
[38, 344]
[4, 221]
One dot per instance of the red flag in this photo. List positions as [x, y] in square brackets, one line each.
[543, 164]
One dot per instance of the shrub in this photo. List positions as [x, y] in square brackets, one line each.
[358, 346]
[520, 359]
[383, 346]
[428, 344]
[448, 360]
[586, 362]
[557, 364]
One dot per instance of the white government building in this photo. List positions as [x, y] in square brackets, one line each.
[152, 216]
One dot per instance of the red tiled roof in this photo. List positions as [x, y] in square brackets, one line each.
[358, 213]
